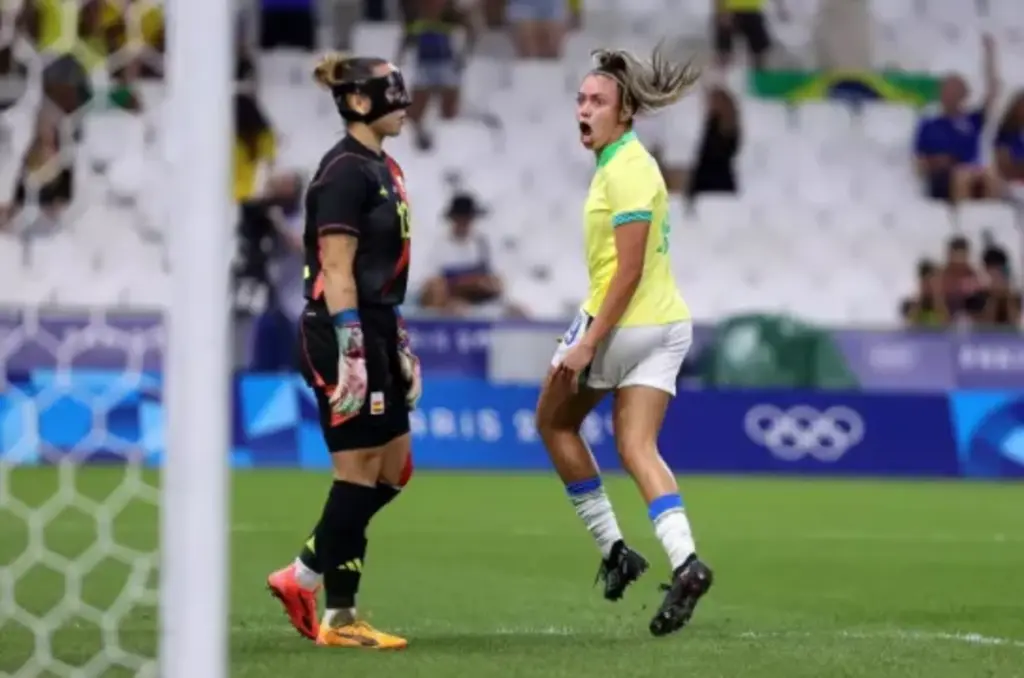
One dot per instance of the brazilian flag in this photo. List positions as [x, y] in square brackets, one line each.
[797, 86]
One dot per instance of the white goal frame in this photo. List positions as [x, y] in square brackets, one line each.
[194, 525]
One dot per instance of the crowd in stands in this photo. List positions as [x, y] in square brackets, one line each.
[957, 158]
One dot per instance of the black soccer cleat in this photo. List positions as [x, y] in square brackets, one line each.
[622, 567]
[689, 584]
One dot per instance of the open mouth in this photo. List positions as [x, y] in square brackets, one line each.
[585, 128]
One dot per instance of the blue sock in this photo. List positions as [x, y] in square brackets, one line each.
[672, 527]
[593, 507]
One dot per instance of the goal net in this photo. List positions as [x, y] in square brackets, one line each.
[92, 318]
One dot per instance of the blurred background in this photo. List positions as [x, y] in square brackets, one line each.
[846, 189]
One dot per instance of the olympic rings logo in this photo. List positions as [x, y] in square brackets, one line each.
[803, 431]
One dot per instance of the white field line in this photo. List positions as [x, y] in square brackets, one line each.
[905, 636]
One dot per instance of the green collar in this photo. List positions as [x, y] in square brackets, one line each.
[609, 151]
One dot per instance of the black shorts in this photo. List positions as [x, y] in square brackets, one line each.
[385, 414]
[751, 25]
[940, 186]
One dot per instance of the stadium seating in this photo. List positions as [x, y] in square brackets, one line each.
[829, 225]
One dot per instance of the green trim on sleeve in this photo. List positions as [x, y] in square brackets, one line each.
[631, 216]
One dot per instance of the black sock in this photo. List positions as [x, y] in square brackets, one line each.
[385, 494]
[308, 554]
[341, 540]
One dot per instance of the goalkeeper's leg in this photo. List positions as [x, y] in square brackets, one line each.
[371, 458]
[297, 584]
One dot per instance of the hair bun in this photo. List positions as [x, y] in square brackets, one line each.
[330, 70]
[609, 59]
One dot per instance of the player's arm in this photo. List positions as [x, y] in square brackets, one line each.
[631, 195]
[339, 210]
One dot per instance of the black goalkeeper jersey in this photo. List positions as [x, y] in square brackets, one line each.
[360, 193]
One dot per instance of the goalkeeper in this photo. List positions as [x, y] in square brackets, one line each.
[354, 348]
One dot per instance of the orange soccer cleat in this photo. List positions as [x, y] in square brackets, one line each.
[299, 603]
[359, 634]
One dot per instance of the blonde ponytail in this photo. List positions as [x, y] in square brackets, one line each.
[330, 70]
[646, 85]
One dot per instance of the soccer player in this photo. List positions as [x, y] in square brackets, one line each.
[631, 335]
[355, 350]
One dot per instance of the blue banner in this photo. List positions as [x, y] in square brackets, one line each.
[989, 432]
[893, 361]
[471, 424]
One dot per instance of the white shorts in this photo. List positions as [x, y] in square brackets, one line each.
[645, 355]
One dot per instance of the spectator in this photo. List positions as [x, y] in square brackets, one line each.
[464, 282]
[45, 180]
[255, 147]
[135, 29]
[430, 31]
[947, 144]
[959, 279]
[1010, 149]
[273, 334]
[927, 308]
[714, 172]
[1000, 303]
[538, 27]
[745, 18]
[13, 75]
[284, 192]
[575, 21]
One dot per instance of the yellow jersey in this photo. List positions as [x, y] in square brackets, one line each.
[628, 187]
[247, 166]
[744, 5]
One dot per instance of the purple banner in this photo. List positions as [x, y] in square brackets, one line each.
[885, 361]
[991, 361]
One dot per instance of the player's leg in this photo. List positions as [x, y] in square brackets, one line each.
[341, 541]
[372, 447]
[559, 417]
[396, 471]
[638, 411]
[361, 449]
[297, 584]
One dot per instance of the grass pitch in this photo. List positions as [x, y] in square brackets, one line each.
[492, 576]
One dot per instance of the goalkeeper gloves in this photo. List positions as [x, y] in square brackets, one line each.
[350, 393]
[410, 365]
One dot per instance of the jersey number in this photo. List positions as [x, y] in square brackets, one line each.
[665, 229]
[403, 216]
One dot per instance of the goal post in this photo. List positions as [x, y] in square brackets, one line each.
[195, 535]
[114, 339]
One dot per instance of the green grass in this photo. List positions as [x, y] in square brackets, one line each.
[492, 576]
